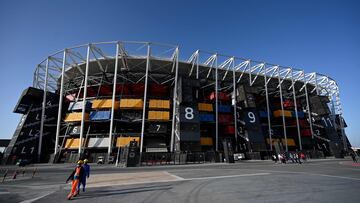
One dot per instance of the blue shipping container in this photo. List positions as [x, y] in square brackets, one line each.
[300, 114]
[204, 117]
[99, 115]
[224, 108]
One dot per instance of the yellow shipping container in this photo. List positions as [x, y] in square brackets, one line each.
[159, 104]
[76, 116]
[104, 104]
[278, 113]
[72, 143]
[131, 103]
[206, 141]
[123, 141]
[159, 115]
[205, 107]
[290, 141]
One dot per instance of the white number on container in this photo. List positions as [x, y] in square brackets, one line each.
[251, 116]
[189, 113]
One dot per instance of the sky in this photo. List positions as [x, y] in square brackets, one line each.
[317, 36]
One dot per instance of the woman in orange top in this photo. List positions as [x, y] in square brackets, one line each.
[75, 176]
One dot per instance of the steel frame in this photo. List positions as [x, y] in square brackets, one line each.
[54, 72]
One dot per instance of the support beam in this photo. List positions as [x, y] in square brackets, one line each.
[235, 112]
[145, 98]
[268, 107]
[84, 99]
[308, 108]
[282, 110]
[113, 99]
[43, 110]
[296, 111]
[60, 104]
[216, 106]
[172, 141]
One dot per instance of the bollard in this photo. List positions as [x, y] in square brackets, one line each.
[33, 173]
[5, 174]
[23, 172]
[15, 174]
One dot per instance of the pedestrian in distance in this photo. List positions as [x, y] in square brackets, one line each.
[85, 175]
[353, 156]
[75, 176]
[274, 158]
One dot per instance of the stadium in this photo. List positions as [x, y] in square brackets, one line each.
[142, 102]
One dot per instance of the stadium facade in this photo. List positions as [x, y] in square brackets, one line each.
[101, 96]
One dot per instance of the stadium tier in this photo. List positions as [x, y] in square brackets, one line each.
[102, 96]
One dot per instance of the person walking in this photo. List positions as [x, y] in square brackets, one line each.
[85, 175]
[75, 176]
[353, 156]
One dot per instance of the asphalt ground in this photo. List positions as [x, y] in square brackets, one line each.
[332, 180]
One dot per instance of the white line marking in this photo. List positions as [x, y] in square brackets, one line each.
[175, 176]
[3, 193]
[230, 176]
[37, 198]
[313, 174]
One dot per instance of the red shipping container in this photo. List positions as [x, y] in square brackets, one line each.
[229, 129]
[225, 118]
[221, 96]
[137, 89]
[105, 90]
[302, 122]
[159, 90]
[305, 132]
[122, 89]
[91, 92]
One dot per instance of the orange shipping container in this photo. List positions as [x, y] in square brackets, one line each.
[159, 116]
[131, 103]
[75, 117]
[104, 104]
[159, 104]
[123, 141]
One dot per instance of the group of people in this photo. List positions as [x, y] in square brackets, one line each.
[294, 157]
[78, 178]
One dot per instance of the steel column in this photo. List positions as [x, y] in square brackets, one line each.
[296, 111]
[174, 100]
[235, 112]
[145, 98]
[308, 108]
[216, 107]
[268, 108]
[84, 99]
[43, 110]
[113, 99]
[282, 110]
[60, 104]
